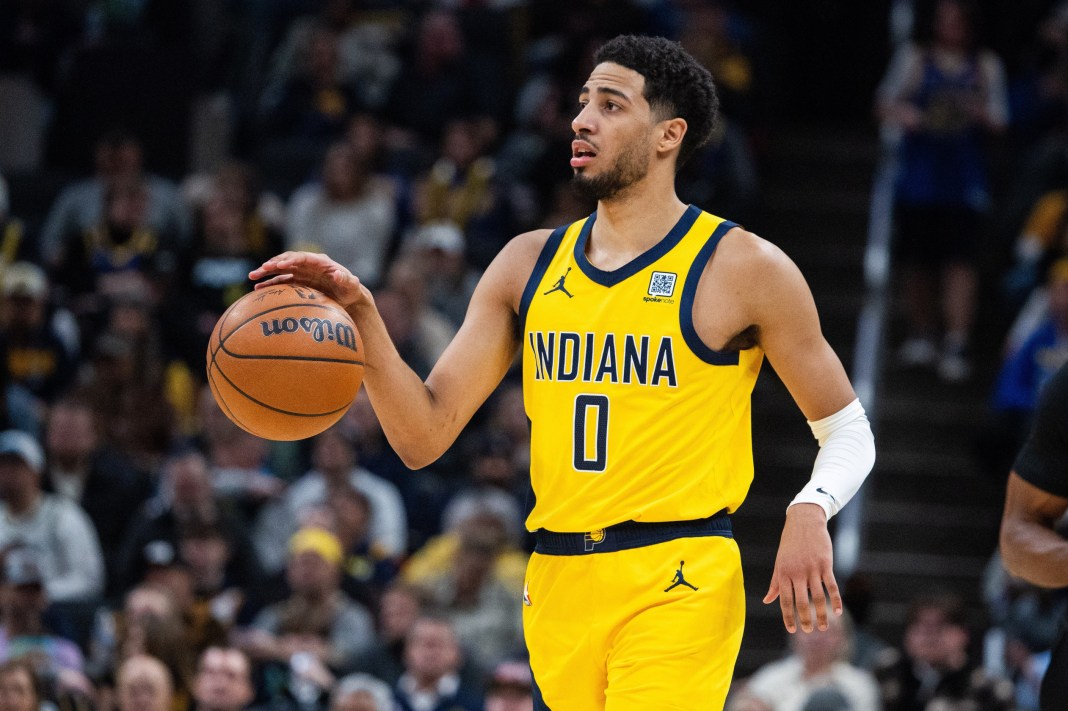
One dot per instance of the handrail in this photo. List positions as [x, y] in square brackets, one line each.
[867, 354]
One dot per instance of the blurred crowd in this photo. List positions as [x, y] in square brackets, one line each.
[155, 557]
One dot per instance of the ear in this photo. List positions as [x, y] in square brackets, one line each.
[672, 132]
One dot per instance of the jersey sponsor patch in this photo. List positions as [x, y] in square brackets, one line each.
[662, 283]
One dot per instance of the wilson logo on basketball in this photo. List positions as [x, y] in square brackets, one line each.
[319, 329]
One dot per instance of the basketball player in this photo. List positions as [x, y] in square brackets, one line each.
[1037, 498]
[642, 329]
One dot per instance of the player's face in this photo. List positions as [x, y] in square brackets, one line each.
[613, 133]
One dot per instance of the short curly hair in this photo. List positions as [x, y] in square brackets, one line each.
[676, 85]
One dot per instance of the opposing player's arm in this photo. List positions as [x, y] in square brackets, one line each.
[1030, 547]
[421, 420]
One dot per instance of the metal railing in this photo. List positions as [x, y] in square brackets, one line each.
[867, 354]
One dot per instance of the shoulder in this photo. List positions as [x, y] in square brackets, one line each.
[507, 274]
[745, 259]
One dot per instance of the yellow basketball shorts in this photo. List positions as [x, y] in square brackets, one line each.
[620, 627]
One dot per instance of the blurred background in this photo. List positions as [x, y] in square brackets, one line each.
[910, 156]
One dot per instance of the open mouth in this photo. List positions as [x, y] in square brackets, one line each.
[581, 153]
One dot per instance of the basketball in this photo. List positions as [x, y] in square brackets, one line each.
[285, 362]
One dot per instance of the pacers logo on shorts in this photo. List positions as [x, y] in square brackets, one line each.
[592, 538]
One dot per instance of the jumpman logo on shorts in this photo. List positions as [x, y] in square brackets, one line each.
[679, 580]
[560, 285]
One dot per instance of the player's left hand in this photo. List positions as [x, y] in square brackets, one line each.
[803, 568]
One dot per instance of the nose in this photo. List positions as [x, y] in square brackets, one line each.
[583, 121]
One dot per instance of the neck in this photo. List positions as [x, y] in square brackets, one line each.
[73, 464]
[22, 626]
[23, 503]
[817, 666]
[639, 218]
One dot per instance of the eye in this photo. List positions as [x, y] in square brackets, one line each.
[611, 105]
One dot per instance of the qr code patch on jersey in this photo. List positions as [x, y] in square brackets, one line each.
[662, 284]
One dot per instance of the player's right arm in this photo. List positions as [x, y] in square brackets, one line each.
[1030, 547]
[422, 419]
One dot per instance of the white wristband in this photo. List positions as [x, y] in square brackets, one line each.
[847, 454]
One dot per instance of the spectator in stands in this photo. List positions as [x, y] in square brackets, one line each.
[491, 459]
[60, 534]
[437, 250]
[361, 692]
[368, 569]
[465, 187]
[35, 356]
[223, 680]
[857, 597]
[1026, 621]
[224, 590]
[334, 466]
[317, 618]
[1042, 241]
[471, 589]
[13, 244]
[125, 383]
[19, 688]
[81, 205]
[238, 183]
[944, 95]
[817, 669]
[431, 331]
[367, 58]
[1027, 369]
[432, 662]
[23, 632]
[241, 470]
[439, 83]
[102, 482]
[352, 212]
[211, 276]
[148, 622]
[398, 610]
[143, 683]
[510, 688]
[314, 104]
[424, 493]
[186, 500]
[151, 624]
[933, 666]
[530, 152]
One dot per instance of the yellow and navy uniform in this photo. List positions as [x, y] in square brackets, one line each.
[640, 446]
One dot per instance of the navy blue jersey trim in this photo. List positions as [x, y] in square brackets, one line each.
[689, 293]
[640, 262]
[539, 701]
[547, 253]
[631, 534]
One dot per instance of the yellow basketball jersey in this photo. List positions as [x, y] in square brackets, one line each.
[632, 416]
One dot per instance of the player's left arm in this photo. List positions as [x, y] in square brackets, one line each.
[788, 329]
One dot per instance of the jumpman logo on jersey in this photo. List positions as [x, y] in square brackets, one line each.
[560, 285]
[679, 580]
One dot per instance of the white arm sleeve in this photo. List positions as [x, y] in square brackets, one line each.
[847, 454]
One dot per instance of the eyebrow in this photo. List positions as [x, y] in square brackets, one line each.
[606, 90]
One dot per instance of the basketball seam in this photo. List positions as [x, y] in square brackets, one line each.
[220, 400]
[278, 409]
[289, 357]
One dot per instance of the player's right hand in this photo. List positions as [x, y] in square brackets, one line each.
[315, 270]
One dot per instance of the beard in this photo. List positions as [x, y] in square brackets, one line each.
[631, 166]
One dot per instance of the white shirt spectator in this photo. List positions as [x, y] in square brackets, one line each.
[63, 537]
